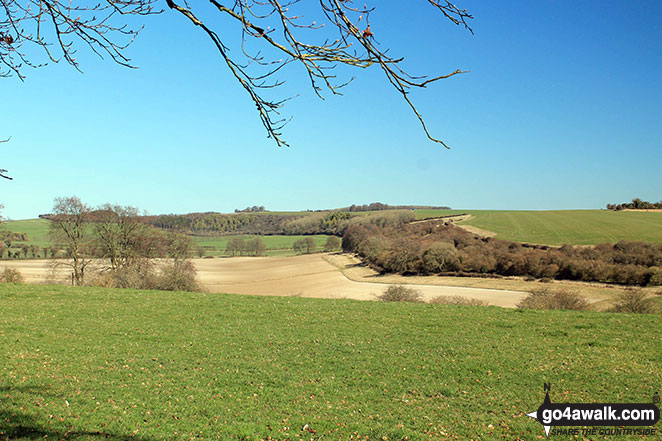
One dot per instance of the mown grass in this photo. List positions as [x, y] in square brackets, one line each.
[576, 227]
[93, 363]
[276, 245]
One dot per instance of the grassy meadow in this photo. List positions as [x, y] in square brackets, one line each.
[36, 229]
[276, 245]
[94, 363]
[576, 227]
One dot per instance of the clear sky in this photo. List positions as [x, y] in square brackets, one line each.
[562, 109]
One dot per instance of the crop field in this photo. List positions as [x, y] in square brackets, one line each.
[276, 245]
[576, 227]
[95, 363]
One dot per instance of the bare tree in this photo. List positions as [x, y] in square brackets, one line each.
[120, 237]
[274, 34]
[69, 227]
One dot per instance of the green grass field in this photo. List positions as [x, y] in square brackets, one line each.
[36, 229]
[276, 245]
[577, 227]
[94, 363]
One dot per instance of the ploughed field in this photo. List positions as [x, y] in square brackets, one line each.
[308, 275]
[93, 363]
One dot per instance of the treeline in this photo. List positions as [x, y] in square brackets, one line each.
[636, 204]
[433, 248]
[218, 223]
[378, 206]
[336, 222]
[253, 209]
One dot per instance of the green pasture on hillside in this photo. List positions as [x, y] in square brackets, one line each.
[576, 227]
[94, 363]
[36, 229]
[276, 245]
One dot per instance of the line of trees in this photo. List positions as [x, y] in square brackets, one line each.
[251, 247]
[125, 248]
[636, 204]
[432, 248]
[378, 206]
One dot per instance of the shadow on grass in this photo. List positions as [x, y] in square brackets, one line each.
[16, 425]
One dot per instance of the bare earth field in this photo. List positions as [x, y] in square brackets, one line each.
[313, 275]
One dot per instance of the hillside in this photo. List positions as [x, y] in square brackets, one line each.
[558, 227]
[127, 365]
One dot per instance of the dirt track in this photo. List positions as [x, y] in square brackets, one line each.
[305, 276]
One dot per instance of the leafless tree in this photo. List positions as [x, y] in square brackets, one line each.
[119, 235]
[69, 227]
[273, 34]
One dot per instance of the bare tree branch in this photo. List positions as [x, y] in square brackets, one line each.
[2, 170]
[273, 34]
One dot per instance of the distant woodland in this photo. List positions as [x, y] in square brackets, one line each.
[636, 204]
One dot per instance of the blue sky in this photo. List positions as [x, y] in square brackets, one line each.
[562, 109]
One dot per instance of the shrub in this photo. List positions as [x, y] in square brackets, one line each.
[399, 293]
[440, 256]
[304, 246]
[235, 245]
[179, 276]
[547, 299]
[634, 301]
[10, 275]
[458, 300]
[332, 243]
[255, 247]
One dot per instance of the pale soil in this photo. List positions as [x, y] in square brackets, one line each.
[319, 275]
[652, 210]
[306, 276]
[599, 294]
[340, 276]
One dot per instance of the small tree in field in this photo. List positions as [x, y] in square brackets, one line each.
[235, 245]
[332, 243]
[304, 246]
[256, 247]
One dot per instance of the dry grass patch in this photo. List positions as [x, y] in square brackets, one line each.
[545, 298]
[458, 300]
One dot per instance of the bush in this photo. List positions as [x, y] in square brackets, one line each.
[10, 275]
[457, 300]
[634, 301]
[175, 276]
[440, 257]
[546, 299]
[180, 276]
[399, 293]
[332, 243]
[304, 246]
[255, 247]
